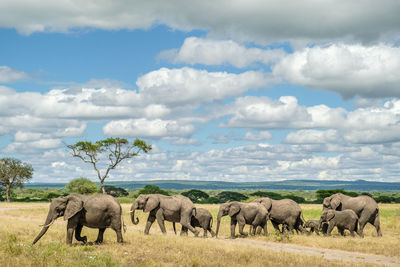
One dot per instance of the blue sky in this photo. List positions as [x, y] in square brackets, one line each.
[258, 91]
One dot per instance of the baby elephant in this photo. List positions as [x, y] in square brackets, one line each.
[313, 225]
[203, 219]
[345, 219]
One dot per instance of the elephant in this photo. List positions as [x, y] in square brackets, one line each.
[285, 211]
[203, 219]
[254, 214]
[314, 226]
[170, 208]
[344, 219]
[96, 211]
[365, 207]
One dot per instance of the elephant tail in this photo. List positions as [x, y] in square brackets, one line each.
[194, 211]
[302, 218]
[122, 221]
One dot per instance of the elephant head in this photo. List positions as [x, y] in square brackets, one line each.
[229, 208]
[326, 216]
[332, 202]
[144, 202]
[66, 206]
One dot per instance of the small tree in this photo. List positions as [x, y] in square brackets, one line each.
[116, 191]
[82, 186]
[195, 195]
[152, 189]
[117, 149]
[14, 172]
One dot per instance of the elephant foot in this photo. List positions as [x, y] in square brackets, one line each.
[196, 233]
[84, 240]
[98, 242]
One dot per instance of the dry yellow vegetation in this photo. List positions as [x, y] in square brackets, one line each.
[19, 225]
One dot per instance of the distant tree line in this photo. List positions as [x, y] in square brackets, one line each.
[86, 186]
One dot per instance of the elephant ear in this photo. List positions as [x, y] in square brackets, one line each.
[335, 203]
[235, 208]
[330, 215]
[267, 204]
[151, 203]
[74, 205]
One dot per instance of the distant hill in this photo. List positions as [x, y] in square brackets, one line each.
[358, 185]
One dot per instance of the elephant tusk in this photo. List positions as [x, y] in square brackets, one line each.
[47, 225]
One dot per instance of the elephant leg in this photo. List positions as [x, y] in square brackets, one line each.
[242, 222]
[330, 228]
[150, 221]
[361, 229]
[211, 231]
[160, 220]
[116, 225]
[99, 239]
[185, 221]
[71, 226]
[264, 226]
[78, 236]
[276, 226]
[341, 231]
[205, 232]
[377, 225]
[233, 226]
[184, 231]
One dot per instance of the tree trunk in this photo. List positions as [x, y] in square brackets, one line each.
[8, 192]
[102, 187]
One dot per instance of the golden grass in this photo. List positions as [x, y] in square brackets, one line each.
[19, 226]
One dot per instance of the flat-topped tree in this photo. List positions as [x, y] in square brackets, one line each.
[14, 172]
[117, 149]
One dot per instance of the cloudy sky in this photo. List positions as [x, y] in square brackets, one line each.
[249, 90]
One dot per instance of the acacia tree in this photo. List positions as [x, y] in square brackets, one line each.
[14, 172]
[115, 149]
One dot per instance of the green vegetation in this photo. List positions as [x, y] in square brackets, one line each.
[199, 196]
[116, 191]
[82, 186]
[14, 172]
[152, 189]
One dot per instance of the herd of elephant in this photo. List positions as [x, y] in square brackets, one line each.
[102, 211]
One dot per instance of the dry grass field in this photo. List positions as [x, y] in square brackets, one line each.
[19, 224]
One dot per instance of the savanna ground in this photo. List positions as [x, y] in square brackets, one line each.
[19, 226]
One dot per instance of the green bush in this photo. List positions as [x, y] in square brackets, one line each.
[231, 196]
[152, 189]
[196, 196]
[115, 191]
[82, 186]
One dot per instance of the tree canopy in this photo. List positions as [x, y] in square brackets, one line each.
[195, 195]
[82, 186]
[152, 189]
[114, 149]
[14, 172]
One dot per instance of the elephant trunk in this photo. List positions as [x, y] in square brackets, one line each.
[49, 221]
[134, 207]
[218, 223]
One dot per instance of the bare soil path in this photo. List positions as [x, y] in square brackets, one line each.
[329, 254]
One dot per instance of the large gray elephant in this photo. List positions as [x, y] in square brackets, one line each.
[344, 219]
[253, 214]
[97, 211]
[170, 208]
[365, 207]
[285, 211]
[203, 219]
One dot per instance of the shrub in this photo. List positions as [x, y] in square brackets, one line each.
[196, 196]
[152, 189]
[82, 186]
[115, 191]
[231, 196]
